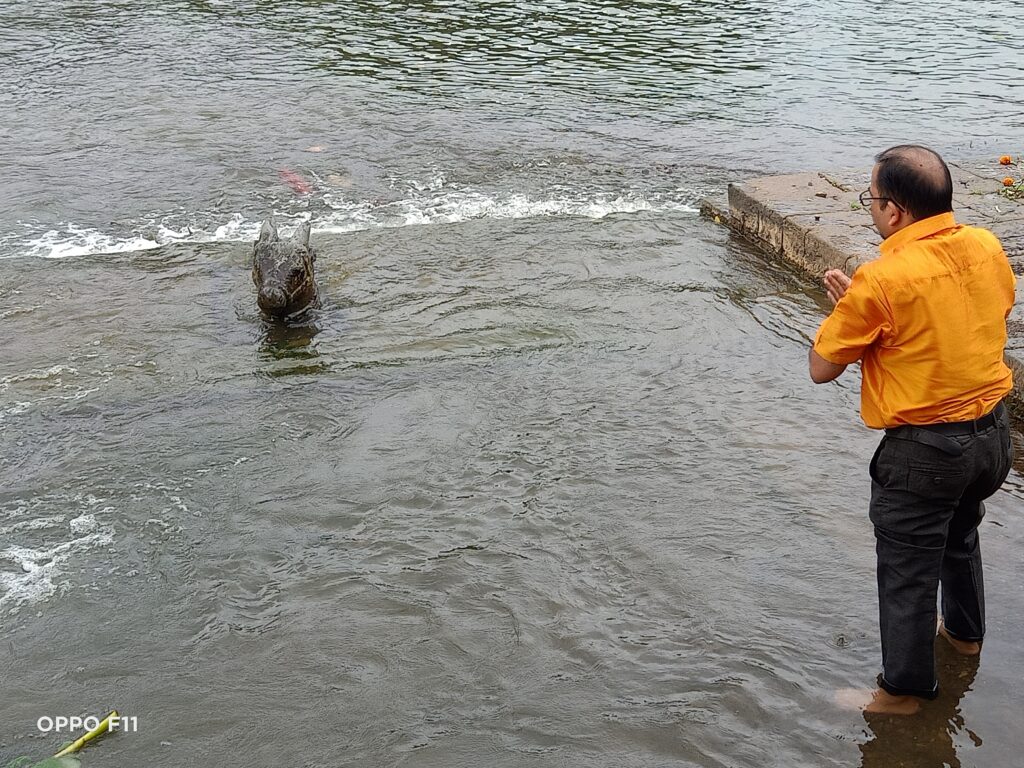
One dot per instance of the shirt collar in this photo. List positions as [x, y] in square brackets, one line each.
[917, 231]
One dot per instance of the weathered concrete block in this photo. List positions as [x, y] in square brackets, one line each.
[818, 242]
[991, 211]
[815, 221]
[716, 208]
[809, 219]
[1014, 246]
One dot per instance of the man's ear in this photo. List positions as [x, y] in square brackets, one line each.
[898, 217]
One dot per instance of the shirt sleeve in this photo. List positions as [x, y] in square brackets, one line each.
[857, 321]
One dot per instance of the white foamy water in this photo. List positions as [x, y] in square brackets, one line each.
[457, 207]
[336, 214]
[53, 373]
[22, 391]
[41, 547]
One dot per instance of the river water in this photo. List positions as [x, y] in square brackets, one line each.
[544, 482]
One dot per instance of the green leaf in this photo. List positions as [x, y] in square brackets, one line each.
[50, 762]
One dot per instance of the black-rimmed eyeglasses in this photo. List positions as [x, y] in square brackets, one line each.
[866, 198]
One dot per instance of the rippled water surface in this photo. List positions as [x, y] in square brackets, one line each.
[544, 481]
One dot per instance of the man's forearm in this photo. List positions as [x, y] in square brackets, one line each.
[822, 370]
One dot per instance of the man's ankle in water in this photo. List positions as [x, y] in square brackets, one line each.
[877, 701]
[963, 647]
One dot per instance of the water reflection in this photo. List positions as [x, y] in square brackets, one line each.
[927, 739]
[292, 341]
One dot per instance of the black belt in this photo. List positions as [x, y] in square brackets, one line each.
[941, 435]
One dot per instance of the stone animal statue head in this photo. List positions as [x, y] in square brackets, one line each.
[283, 272]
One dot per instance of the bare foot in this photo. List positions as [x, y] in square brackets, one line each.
[877, 701]
[963, 647]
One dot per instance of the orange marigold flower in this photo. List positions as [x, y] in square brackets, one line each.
[1005, 160]
[1008, 181]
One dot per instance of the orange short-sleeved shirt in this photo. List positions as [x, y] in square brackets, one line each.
[927, 320]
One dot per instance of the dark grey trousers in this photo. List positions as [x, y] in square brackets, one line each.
[926, 505]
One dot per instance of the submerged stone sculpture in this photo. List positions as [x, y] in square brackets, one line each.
[283, 272]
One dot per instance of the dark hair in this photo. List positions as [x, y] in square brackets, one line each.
[916, 179]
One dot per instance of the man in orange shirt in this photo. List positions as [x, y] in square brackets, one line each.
[927, 321]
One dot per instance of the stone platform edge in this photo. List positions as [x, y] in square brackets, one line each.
[812, 221]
